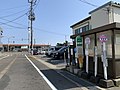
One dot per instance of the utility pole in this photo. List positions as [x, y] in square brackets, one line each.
[1, 35]
[31, 18]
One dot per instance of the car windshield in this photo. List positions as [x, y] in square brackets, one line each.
[62, 48]
[57, 48]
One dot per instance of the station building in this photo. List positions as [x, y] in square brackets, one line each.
[22, 47]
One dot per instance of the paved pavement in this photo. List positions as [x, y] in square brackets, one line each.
[57, 65]
[60, 64]
[17, 73]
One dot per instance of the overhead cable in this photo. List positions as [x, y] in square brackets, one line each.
[12, 26]
[50, 32]
[13, 14]
[84, 1]
[36, 4]
[13, 22]
[13, 8]
[15, 19]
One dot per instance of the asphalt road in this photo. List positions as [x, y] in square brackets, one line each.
[20, 71]
[17, 73]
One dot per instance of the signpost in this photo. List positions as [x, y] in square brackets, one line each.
[95, 59]
[79, 51]
[103, 39]
[87, 42]
[78, 41]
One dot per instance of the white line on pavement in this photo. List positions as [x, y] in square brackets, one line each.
[2, 73]
[58, 71]
[4, 57]
[44, 77]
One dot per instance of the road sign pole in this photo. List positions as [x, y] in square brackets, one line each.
[95, 61]
[104, 61]
[87, 42]
[104, 39]
[86, 53]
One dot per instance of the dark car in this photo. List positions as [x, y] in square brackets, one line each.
[50, 51]
[60, 53]
[35, 52]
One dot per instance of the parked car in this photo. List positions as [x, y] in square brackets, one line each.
[51, 50]
[60, 53]
[35, 52]
[42, 51]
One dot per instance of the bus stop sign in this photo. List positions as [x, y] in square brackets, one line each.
[103, 38]
[87, 40]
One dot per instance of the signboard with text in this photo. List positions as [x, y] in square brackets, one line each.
[103, 38]
[78, 41]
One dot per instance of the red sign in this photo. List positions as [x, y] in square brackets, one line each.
[103, 38]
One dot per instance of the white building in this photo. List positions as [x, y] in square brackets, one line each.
[103, 15]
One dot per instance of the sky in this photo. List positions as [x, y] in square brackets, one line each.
[53, 19]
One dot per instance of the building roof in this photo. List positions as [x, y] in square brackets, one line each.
[88, 18]
[111, 3]
[99, 29]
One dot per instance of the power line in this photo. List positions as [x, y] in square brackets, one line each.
[13, 14]
[15, 19]
[13, 8]
[11, 26]
[84, 1]
[14, 22]
[36, 5]
[55, 33]
[25, 27]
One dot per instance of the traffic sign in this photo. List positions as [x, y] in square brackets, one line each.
[87, 40]
[103, 38]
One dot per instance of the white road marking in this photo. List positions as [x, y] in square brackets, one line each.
[2, 73]
[58, 71]
[4, 57]
[44, 77]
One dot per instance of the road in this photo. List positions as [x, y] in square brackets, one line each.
[21, 71]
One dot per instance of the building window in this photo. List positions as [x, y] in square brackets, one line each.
[76, 31]
[82, 29]
[85, 28]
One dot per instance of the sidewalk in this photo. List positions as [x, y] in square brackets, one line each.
[55, 64]
[60, 64]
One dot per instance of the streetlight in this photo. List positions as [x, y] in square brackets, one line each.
[9, 41]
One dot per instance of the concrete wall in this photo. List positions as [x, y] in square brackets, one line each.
[99, 18]
[116, 14]
[104, 16]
